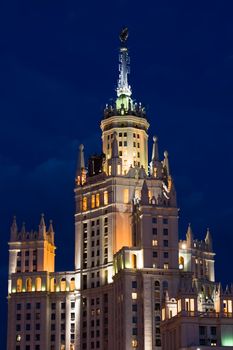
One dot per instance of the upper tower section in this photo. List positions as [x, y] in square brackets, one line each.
[126, 119]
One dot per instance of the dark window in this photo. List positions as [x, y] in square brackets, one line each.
[27, 347]
[155, 254]
[63, 316]
[165, 255]
[53, 316]
[125, 143]
[37, 347]
[158, 342]
[165, 221]
[134, 284]
[72, 304]
[53, 327]
[165, 231]
[125, 134]
[165, 243]
[28, 326]
[154, 230]
[134, 319]
[18, 307]
[26, 263]
[157, 306]
[28, 306]
[37, 305]
[28, 316]
[53, 306]
[202, 342]
[213, 330]
[27, 337]
[63, 305]
[120, 143]
[134, 331]
[38, 326]
[120, 134]
[18, 317]
[27, 253]
[97, 344]
[154, 220]
[18, 328]
[37, 337]
[134, 307]
[52, 337]
[202, 330]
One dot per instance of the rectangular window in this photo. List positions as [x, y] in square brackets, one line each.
[165, 232]
[165, 221]
[155, 254]
[125, 134]
[165, 255]
[105, 197]
[202, 330]
[165, 243]
[126, 195]
[125, 143]
[154, 220]
[120, 143]
[84, 204]
[154, 231]
[165, 266]
[97, 200]
[134, 284]
[213, 330]
[93, 201]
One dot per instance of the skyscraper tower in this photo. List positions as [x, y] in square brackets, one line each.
[135, 285]
[126, 224]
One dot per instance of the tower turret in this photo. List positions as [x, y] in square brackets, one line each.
[155, 164]
[189, 236]
[14, 230]
[208, 240]
[81, 170]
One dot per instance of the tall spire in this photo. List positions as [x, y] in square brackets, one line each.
[123, 88]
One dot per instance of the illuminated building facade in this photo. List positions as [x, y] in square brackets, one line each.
[135, 285]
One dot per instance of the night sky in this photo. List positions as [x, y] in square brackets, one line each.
[58, 68]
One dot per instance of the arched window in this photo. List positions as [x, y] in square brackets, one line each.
[38, 284]
[181, 262]
[19, 284]
[134, 261]
[29, 285]
[72, 284]
[157, 285]
[63, 284]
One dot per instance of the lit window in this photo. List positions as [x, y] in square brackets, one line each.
[154, 242]
[97, 200]
[134, 343]
[165, 266]
[110, 170]
[126, 195]
[134, 295]
[119, 169]
[105, 197]
[93, 201]
[84, 203]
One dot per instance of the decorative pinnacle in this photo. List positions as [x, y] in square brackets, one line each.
[124, 35]
[123, 88]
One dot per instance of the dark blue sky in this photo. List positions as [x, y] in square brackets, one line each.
[58, 68]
